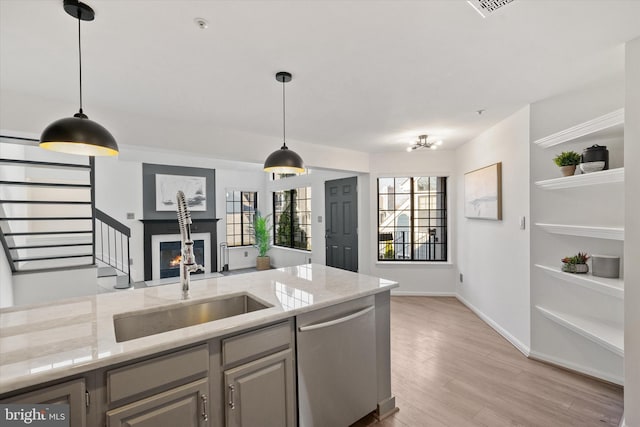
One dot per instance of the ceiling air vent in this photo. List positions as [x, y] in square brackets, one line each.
[487, 7]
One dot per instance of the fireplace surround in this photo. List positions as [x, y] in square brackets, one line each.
[155, 227]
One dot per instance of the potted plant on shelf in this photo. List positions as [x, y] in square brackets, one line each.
[576, 264]
[567, 160]
[262, 234]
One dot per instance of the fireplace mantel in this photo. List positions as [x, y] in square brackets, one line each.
[170, 226]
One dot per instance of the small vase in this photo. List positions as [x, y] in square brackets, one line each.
[582, 268]
[568, 170]
[575, 268]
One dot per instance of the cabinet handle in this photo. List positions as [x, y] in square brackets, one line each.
[232, 404]
[205, 417]
[336, 321]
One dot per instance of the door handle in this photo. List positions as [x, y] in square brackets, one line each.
[232, 404]
[336, 321]
[205, 417]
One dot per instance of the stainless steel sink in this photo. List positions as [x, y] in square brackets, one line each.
[139, 324]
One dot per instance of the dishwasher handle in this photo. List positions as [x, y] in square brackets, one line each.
[336, 321]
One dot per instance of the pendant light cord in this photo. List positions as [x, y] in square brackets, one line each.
[284, 120]
[80, 59]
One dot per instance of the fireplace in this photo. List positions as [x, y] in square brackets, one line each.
[162, 234]
[171, 255]
[166, 252]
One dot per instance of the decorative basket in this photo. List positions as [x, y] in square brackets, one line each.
[575, 268]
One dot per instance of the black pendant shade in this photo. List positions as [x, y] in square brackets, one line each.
[78, 134]
[284, 160]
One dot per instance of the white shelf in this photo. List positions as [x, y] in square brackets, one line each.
[610, 233]
[612, 287]
[607, 335]
[611, 124]
[594, 178]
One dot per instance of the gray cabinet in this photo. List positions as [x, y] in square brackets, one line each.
[262, 392]
[165, 391]
[71, 393]
[184, 406]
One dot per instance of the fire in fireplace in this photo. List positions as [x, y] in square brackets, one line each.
[170, 256]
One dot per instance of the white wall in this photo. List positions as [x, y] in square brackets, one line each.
[632, 236]
[494, 255]
[6, 282]
[35, 288]
[415, 278]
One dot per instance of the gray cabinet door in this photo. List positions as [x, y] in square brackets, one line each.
[261, 393]
[184, 406]
[72, 393]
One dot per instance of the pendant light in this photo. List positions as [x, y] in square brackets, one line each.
[284, 160]
[78, 134]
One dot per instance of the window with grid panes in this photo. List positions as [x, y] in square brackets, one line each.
[241, 209]
[292, 218]
[412, 218]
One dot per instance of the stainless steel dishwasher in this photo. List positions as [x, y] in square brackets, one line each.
[337, 382]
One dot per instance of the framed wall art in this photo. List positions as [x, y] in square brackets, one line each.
[483, 193]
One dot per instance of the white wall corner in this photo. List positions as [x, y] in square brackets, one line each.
[524, 349]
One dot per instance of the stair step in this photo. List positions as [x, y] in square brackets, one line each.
[34, 163]
[46, 218]
[41, 233]
[45, 184]
[52, 269]
[45, 202]
[51, 246]
[106, 272]
[52, 257]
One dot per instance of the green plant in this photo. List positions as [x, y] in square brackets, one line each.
[262, 233]
[581, 258]
[567, 158]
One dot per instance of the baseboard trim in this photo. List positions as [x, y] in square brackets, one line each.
[421, 294]
[536, 355]
[499, 329]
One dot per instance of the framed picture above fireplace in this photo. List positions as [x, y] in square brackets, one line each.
[160, 183]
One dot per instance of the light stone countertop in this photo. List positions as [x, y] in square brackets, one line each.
[51, 341]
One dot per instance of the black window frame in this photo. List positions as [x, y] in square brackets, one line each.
[393, 248]
[249, 235]
[293, 211]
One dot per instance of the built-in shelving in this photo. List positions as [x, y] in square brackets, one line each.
[608, 335]
[612, 287]
[610, 233]
[609, 176]
[606, 126]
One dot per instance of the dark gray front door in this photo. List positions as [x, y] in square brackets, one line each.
[341, 216]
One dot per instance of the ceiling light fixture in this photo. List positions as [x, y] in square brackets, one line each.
[422, 142]
[284, 160]
[78, 134]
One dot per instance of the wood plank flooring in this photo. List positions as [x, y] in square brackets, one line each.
[449, 368]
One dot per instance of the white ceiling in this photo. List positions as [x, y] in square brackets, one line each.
[367, 75]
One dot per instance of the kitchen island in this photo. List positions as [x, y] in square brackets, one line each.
[198, 369]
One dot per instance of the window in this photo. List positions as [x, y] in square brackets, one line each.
[412, 219]
[241, 208]
[292, 218]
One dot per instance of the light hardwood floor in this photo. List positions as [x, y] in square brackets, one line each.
[451, 369]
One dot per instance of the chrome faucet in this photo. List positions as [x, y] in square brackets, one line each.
[187, 260]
